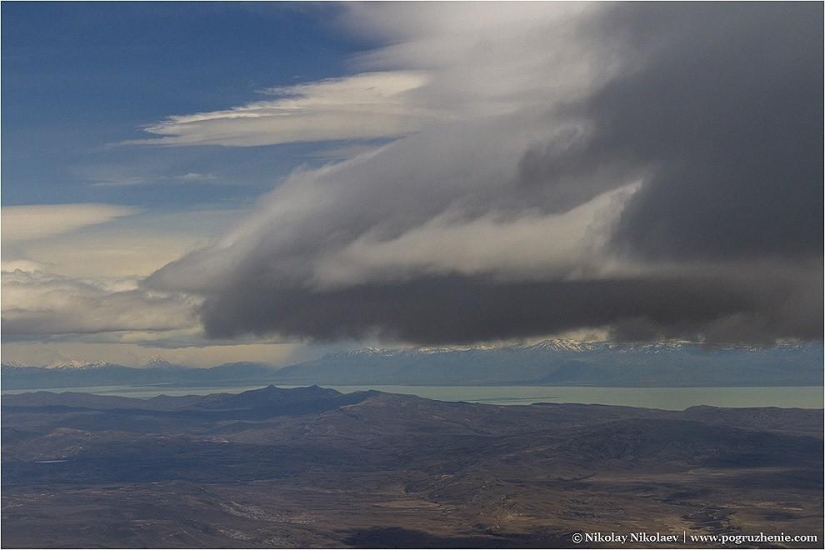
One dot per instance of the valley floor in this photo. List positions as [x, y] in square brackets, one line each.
[316, 468]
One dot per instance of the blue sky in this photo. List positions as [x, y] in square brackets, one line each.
[214, 182]
[79, 78]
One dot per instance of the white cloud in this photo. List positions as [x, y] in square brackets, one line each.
[530, 246]
[486, 59]
[446, 62]
[132, 246]
[367, 105]
[195, 176]
[26, 223]
[42, 304]
[78, 277]
[122, 352]
[344, 152]
[124, 181]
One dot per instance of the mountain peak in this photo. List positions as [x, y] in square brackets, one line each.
[159, 363]
[566, 345]
[73, 364]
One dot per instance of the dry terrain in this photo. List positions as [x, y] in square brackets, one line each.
[315, 468]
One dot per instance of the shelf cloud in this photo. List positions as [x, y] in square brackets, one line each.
[652, 170]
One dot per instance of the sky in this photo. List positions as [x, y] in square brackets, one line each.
[215, 182]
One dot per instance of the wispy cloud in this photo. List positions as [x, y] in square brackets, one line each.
[122, 182]
[363, 106]
[25, 223]
[344, 152]
[114, 177]
[195, 176]
[122, 352]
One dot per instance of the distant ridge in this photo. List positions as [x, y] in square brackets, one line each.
[569, 346]
[569, 363]
[549, 363]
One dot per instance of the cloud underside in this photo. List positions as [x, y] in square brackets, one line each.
[653, 170]
[455, 309]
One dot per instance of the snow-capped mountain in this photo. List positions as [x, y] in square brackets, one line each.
[560, 346]
[545, 346]
[405, 352]
[77, 365]
[368, 352]
[549, 363]
[160, 363]
[564, 346]
[568, 362]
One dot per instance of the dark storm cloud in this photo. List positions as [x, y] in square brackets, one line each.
[467, 309]
[444, 310]
[726, 109]
[680, 196]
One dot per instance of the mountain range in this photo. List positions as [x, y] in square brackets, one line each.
[550, 363]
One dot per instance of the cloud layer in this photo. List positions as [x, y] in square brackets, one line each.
[655, 171]
[72, 272]
[36, 303]
[25, 223]
[367, 105]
